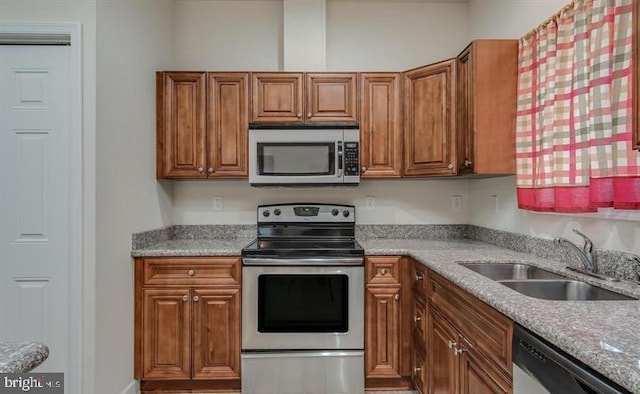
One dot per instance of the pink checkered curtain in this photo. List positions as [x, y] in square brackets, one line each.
[574, 117]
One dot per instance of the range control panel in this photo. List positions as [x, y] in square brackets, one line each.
[298, 213]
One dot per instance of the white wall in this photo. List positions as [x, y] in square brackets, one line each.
[83, 11]
[396, 201]
[512, 19]
[361, 35]
[393, 35]
[228, 35]
[134, 39]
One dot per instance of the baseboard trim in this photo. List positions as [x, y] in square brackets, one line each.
[132, 388]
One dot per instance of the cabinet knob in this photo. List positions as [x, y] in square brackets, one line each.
[210, 170]
[467, 163]
[299, 115]
[450, 166]
[452, 344]
[191, 272]
[396, 297]
[383, 271]
[309, 115]
[185, 298]
[200, 170]
[363, 169]
[419, 277]
[417, 318]
[417, 369]
[195, 298]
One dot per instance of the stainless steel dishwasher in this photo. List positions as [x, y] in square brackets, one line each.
[540, 367]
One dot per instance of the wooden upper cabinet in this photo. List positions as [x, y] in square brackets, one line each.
[181, 125]
[381, 125]
[276, 97]
[331, 97]
[202, 124]
[430, 147]
[486, 107]
[227, 124]
[303, 97]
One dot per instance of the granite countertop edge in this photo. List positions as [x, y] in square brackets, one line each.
[20, 357]
[602, 334]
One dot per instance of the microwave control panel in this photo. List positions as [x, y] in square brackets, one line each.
[351, 161]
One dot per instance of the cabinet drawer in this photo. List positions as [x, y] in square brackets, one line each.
[192, 271]
[486, 329]
[383, 270]
[419, 278]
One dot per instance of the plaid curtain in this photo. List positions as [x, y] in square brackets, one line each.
[574, 149]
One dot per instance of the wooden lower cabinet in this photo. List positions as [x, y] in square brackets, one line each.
[387, 327]
[468, 342]
[187, 330]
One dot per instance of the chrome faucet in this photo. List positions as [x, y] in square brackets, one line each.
[587, 254]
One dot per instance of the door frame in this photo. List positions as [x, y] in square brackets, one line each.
[77, 305]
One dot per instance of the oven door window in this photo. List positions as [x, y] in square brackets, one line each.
[303, 303]
[296, 159]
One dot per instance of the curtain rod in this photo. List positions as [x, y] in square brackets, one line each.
[552, 18]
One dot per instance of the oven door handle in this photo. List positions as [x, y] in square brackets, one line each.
[304, 261]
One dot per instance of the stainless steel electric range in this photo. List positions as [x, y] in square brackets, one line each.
[303, 302]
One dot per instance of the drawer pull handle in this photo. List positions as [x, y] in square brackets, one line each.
[419, 277]
[417, 370]
[457, 351]
[191, 272]
[383, 271]
[195, 298]
[185, 298]
[417, 318]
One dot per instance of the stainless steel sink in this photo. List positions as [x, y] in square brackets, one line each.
[540, 283]
[565, 290]
[508, 271]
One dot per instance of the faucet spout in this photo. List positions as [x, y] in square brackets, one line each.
[587, 254]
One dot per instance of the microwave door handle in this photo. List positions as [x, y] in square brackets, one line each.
[339, 158]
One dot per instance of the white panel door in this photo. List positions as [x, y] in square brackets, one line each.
[35, 244]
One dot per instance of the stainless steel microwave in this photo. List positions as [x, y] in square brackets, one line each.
[304, 154]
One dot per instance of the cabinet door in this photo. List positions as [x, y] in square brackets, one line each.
[419, 376]
[465, 112]
[228, 124]
[276, 97]
[166, 339]
[382, 332]
[381, 125]
[216, 333]
[477, 376]
[181, 128]
[443, 364]
[430, 120]
[331, 97]
[491, 72]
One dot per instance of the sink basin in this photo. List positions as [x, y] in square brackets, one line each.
[511, 271]
[565, 290]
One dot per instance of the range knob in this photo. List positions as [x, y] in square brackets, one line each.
[345, 214]
[266, 213]
[335, 212]
[277, 212]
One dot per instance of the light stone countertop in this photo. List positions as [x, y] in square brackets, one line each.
[20, 357]
[603, 334]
